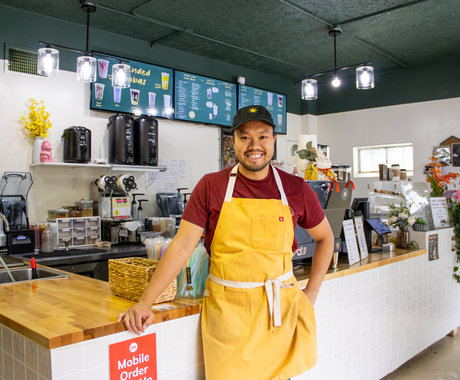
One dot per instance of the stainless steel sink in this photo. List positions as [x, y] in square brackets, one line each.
[25, 274]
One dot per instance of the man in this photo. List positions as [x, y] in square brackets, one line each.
[256, 322]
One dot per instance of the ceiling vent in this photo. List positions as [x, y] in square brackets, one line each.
[22, 61]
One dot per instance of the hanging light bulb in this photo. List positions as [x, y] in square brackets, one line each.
[364, 77]
[121, 75]
[309, 89]
[336, 81]
[48, 61]
[86, 69]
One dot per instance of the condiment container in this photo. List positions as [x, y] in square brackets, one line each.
[86, 207]
[396, 171]
[47, 240]
[403, 175]
[62, 213]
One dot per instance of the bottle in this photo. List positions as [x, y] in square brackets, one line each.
[311, 173]
[33, 265]
[140, 213]
[47, 240]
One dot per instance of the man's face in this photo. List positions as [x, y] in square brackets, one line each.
[254, 144]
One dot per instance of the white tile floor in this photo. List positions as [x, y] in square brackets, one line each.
[440, 361]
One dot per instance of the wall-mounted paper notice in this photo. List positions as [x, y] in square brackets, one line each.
[350, 240]
[439, 212]
[361, 237]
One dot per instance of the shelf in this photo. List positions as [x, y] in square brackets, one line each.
[132, 168]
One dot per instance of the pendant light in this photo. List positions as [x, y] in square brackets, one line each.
[364, 77]
[87, 65]
[364, 73]
[121, 75]
[309, 89]
[48, 61]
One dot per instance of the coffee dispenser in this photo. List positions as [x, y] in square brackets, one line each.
[120, 131]
[145, 141]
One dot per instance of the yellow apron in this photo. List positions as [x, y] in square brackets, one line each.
[256, 322]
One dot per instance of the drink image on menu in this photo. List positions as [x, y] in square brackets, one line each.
[152, 96]
[134, 96]
[99, 90]
[210, 116]
[117, 94]
[214, 109]
[167, 101]
[270, 98]
[209, 93]
[164, 81]
[228, 104]
[280, 120]
[280, 101]
[103, 67]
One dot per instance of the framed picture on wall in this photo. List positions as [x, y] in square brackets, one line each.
[227, 153]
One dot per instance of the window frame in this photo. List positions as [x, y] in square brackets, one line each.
[357, 149]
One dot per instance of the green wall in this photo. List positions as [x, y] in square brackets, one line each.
[429, 81]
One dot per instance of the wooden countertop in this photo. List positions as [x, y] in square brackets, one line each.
[64, 311]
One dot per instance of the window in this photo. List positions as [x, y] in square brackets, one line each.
[366, 159]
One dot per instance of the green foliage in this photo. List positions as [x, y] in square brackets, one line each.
[309, 153]
[455, 213]
[400, 216]
[420, 220]
[436, 190]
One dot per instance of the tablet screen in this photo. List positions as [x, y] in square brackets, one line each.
[378, 226]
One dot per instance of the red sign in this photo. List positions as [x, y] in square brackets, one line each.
[134, 359]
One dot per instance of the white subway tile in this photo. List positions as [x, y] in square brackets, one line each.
[194, 352]
[19, 370]
[67, 360]
[174, 359]
[174, 332]
[96, 352]
[193, 327]
[98, 373]
[195, 373]
[176, 376]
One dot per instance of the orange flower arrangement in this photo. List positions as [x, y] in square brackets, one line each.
[438, 181]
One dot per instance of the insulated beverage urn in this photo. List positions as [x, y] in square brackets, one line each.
[76, 145]
[146, 141]
[120, 130]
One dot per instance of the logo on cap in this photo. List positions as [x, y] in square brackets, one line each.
[253, 110]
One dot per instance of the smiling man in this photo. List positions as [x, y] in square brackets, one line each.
[256, 322]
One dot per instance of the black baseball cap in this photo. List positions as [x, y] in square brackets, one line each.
[250, 113]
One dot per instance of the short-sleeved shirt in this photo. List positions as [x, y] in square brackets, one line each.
[207, 198]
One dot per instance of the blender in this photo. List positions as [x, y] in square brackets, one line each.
[14, 189]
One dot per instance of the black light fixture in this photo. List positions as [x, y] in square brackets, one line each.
[48, 59]
[364, 73]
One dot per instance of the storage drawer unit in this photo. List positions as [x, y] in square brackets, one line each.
[78, 232]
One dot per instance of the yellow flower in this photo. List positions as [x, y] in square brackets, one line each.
[37, 123]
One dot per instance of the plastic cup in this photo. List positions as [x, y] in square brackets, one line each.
[164, 81]
[280, 120]
[117, 94]
[99, 87]
[134, 96]
[103, 65]
[152, 99]
[270, 98]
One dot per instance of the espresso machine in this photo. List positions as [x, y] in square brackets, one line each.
[14, 189]
[117, 225]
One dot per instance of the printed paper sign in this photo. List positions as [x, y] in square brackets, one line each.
[350, 240]
[433, 250]
[361, 237]
[134, 359]
[439, 212]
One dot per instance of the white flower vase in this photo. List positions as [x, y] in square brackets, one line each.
[37, 149]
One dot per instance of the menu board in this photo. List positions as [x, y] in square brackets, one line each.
[150, 92]
[204, 100]
[272, 101]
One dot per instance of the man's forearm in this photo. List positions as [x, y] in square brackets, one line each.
[322, 256]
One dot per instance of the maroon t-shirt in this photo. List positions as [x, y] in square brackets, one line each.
[205, 203]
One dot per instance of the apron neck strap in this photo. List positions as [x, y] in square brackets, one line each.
[232, 181]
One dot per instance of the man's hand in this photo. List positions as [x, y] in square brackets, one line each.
[134, 317]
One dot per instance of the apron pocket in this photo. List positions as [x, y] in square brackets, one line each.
[267, 233]
[289, 310]
[228, 316]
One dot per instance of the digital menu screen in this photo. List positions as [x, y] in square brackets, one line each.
[204, 100]
[150, 92]
[272, 101]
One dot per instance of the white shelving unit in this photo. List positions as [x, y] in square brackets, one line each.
[111, 167]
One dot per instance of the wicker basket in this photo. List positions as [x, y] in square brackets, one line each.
[129, 277]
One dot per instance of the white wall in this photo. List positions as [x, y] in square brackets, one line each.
[424, 124]
[67, 100]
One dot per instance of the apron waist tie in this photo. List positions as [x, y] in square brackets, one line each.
[272, 288]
